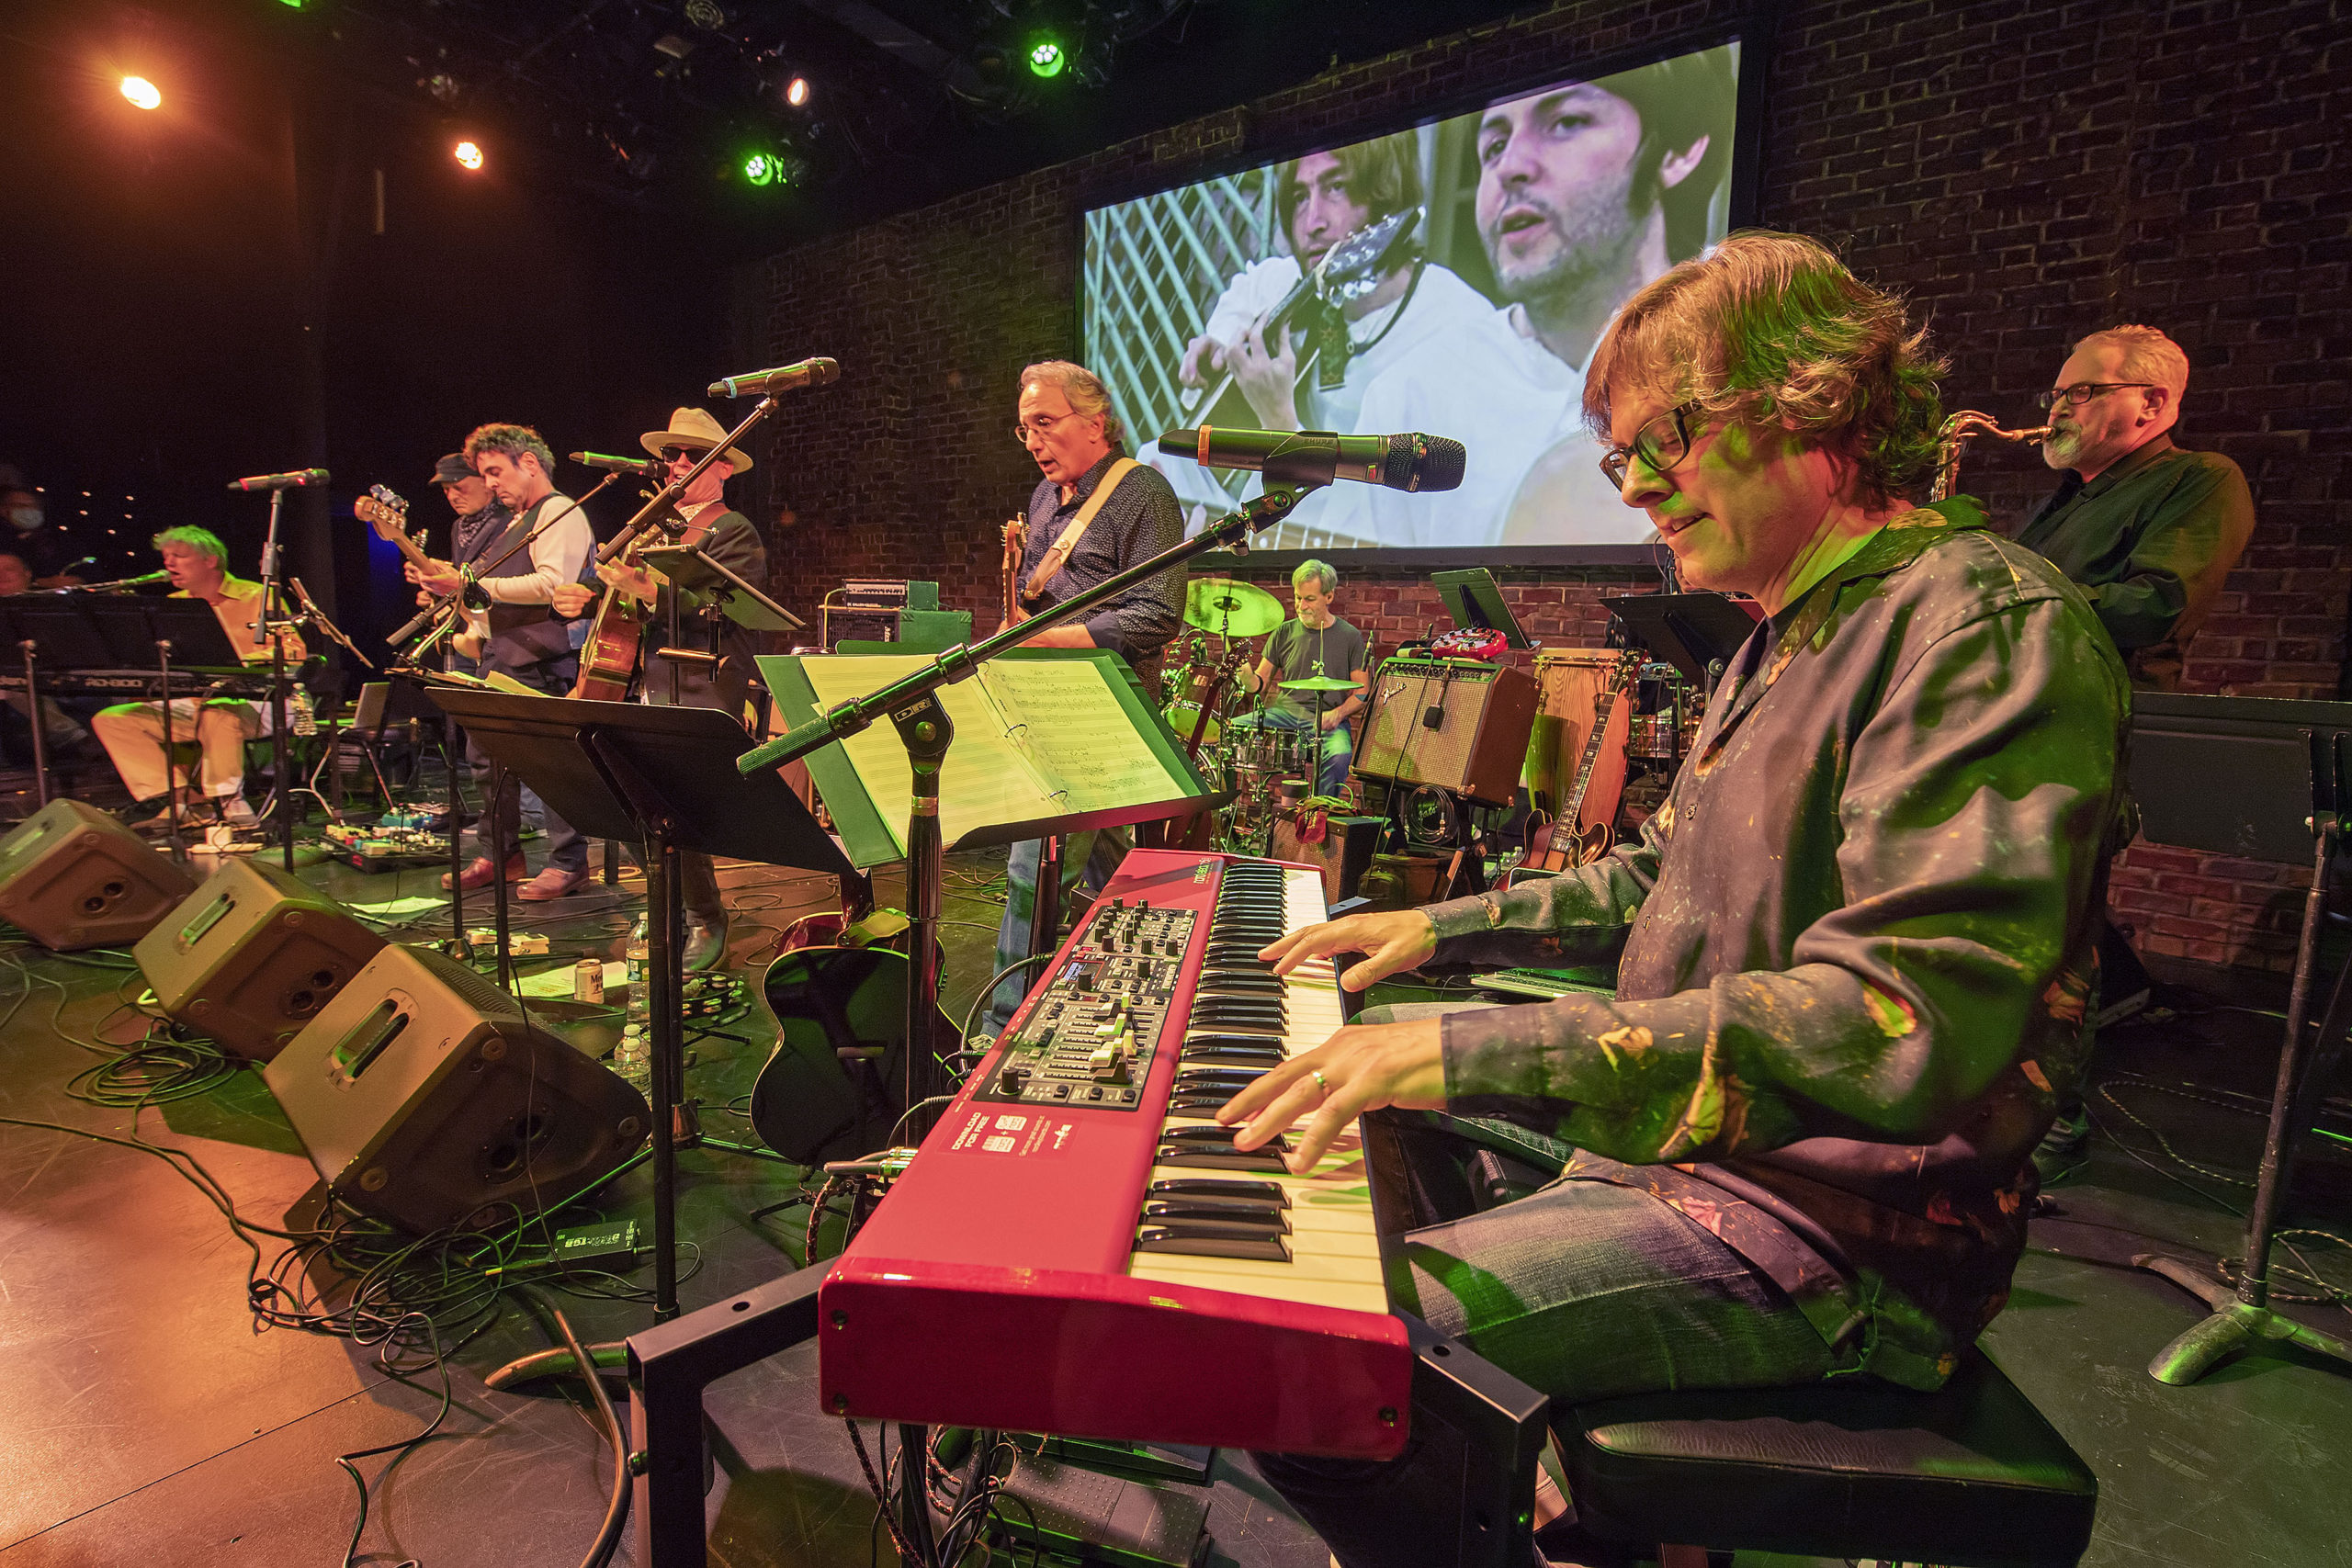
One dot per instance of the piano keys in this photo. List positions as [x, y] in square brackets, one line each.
[1079, 1249]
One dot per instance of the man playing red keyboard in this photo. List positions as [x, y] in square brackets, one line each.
[1855, 946]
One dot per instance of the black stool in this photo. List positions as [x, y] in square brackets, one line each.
[1970, 1476]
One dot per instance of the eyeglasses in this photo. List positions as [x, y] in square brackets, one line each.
[2082, 392]
[1042, 428]
[1660, 444]
[691, 453]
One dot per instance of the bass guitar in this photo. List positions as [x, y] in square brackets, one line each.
[1567, 841]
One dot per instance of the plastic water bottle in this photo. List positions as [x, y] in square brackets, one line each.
[303, 718]
[631, 1059]
[641, 943]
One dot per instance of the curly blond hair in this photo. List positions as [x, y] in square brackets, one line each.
[1771, 329]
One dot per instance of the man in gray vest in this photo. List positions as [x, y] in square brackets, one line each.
[518, 632]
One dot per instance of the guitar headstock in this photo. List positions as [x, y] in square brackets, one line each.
[383, 508]
[1352, 268]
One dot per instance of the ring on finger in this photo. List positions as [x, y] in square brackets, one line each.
[1317, 1074]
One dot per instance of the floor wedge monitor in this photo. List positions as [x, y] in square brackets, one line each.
[251, 956]
[428, 1099]
[72, 876]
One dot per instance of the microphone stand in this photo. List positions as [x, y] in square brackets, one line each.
[924, 728]
[270, 624]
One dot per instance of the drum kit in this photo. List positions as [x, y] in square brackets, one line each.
[1265, 766]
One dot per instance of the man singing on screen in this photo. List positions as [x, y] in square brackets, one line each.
[1587, 191]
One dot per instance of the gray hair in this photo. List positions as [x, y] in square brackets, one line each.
[2148, 356]
[1319, 569]
[190, 536]
[1085, 392]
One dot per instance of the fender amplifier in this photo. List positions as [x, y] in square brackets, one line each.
[1461, 725]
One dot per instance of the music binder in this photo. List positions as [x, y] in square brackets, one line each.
[1047, 740]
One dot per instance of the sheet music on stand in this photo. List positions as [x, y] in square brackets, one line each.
[1047, 740]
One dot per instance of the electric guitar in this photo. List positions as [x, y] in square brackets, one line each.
[385, 510]
[1349, 271]
[1016, 539]
[1566, 842]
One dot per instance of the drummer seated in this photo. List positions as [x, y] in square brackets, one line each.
[1316, 646]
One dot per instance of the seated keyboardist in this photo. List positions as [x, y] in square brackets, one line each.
[1855, 945]
[132, 733]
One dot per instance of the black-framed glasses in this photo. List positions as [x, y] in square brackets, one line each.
[691, 454]
[2082, 392]
[1041, 427]
[1659, 444]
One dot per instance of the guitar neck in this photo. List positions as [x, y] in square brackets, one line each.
[1603, 711]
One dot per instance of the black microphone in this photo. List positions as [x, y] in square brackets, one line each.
[808, 373]
[1408, 462]
[644, 467]
[295, 480]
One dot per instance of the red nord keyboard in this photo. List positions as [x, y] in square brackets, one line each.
[1079, 1249]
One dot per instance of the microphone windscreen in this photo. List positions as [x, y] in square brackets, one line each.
[1421, 463]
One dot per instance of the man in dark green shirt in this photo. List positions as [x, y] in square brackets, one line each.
[2147, 530]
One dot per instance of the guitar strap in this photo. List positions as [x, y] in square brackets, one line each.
[1057, 556]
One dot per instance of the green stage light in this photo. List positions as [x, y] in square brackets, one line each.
[764, 169]
[1045, 58]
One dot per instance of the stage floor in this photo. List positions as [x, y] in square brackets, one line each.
[153, 1425]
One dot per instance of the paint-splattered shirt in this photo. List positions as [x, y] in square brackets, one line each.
[1858, 942]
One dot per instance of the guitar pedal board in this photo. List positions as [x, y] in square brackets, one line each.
[1089, 1035]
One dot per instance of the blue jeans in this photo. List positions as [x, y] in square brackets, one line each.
[1088, 859]
[1581, 1289]
[1338, 744]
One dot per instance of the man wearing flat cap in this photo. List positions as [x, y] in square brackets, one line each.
[500, 489]
[675, 618]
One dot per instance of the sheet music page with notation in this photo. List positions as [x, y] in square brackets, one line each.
[1057, 709]
[985, 779]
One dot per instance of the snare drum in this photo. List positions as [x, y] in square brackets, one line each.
[1273, 753]
[1653, 736]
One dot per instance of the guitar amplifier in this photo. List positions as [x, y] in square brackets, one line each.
[1461, 725]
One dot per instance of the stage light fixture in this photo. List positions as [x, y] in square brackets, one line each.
[469, 155]
[1046, 58]
[795, 92]
[764, 169]
[142, 92]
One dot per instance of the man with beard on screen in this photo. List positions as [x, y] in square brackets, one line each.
[1587, 191]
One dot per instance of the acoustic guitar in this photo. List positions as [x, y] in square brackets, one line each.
[1349, 271]
[830, 1087]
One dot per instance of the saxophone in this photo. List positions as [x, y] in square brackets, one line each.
[1956, 433]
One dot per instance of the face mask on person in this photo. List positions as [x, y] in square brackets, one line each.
[25, 518]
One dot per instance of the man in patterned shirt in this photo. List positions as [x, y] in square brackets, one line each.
[1853, 946]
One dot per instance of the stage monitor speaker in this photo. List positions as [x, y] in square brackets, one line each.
[1344, 851]
[1458, 723]
[426, 1098]
[250, 957]
[72, 876]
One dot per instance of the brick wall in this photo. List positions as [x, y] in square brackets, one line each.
[2027, 173]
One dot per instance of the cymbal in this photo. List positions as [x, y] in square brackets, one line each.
[1318, 684]
[1236, 609]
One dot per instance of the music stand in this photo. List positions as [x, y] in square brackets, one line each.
[1473, 600]
[2289, 783]
[1690, 631]
[694, 571]
[666, 778]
